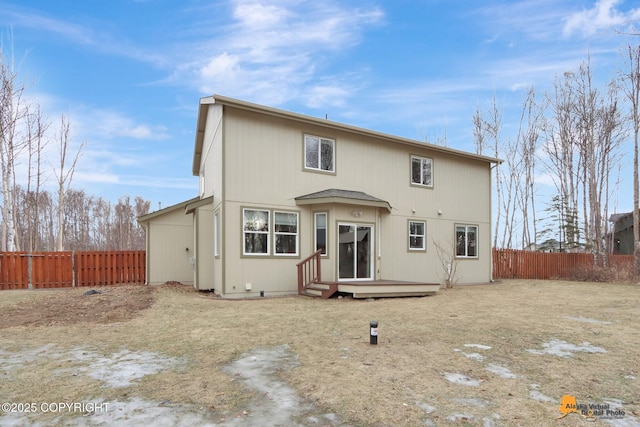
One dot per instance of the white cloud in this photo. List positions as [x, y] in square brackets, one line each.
[106, 124]
[273, 50]
[603, 16]
[329, 94]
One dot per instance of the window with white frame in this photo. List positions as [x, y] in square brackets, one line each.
[422, 171]
[321, 232]
[255, 231]
[417, 235]
[467, 241]
[285, 232]
[319, 153]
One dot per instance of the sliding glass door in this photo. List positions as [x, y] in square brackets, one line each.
[355, 251]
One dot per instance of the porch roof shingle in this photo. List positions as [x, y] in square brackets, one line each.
[334, 195]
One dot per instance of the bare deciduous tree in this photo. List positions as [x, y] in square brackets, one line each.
[448, 260]
[35, 128]
[64, 175]
[489, 129]
[12, 111]
[631, 86]
[583, 138]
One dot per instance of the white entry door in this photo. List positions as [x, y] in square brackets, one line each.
[355, 251]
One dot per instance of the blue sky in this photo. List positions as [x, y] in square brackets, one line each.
[129, 73]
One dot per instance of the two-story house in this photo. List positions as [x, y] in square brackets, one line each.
[277, 187]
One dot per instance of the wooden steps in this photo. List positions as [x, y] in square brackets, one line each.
[320, 289]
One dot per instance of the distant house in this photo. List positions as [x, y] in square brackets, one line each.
[549, 245]
[622, 233]
[277, 187]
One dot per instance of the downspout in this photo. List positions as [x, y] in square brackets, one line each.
[379, 233]
[147, 257]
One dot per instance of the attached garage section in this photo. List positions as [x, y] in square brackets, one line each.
[169, 244]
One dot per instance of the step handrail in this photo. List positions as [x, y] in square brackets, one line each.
[309, 271]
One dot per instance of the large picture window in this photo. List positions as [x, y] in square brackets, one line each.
[417, 235]
[467, 241]
[255, 232]
[422, 171]
[319, 153]
[260, 227]
[285, 231]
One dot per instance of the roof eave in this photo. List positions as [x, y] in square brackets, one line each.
[244, 105]
[203, 109]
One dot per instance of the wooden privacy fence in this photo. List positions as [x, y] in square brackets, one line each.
[38, 270]
[515, 264]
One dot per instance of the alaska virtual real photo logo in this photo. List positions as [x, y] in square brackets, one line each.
[590, 411]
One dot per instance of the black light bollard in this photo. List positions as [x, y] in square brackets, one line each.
[373, 335]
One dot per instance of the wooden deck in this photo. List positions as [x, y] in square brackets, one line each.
[310, 283]
[372, 289]
[387, 288]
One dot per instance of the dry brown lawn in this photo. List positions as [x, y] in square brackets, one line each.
[404, 380]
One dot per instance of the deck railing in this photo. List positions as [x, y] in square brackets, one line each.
[309, 271]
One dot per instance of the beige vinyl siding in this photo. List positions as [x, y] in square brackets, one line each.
[211, 162]
[204, 278]
[170, 247]
[263, 168]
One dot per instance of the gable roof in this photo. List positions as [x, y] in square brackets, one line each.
[270, 111]
[333, 195]
[168, 209]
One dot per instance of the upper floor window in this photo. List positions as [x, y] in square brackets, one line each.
[319, 153]
[467, 241]
[422, 171]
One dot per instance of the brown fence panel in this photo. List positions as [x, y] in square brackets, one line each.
[12, 273]
[516, 264]
[51, 269]
[109, 268]
[22, 270]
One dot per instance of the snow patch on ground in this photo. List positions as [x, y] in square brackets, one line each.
[539, 396]
[501, 371]
[122, 368]
[276, 403]
[564, 349]
[475, 356]
[461, 379]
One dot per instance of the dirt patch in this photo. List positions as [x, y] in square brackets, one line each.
[78, 305]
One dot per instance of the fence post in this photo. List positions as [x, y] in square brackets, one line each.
[29, 267]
